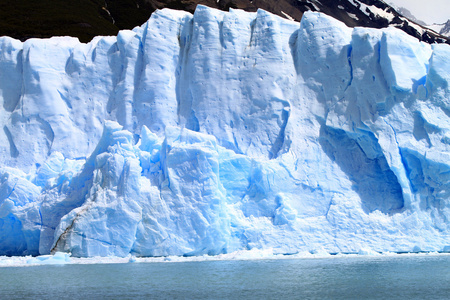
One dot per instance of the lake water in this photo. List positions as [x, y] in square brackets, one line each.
[399, 277]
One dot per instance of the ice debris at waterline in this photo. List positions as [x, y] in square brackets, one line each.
[60, 258]
[221, 131]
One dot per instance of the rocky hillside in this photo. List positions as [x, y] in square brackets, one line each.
[442, 29]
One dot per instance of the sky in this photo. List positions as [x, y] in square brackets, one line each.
[429, 11]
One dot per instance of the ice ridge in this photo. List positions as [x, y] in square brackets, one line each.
[222, 131]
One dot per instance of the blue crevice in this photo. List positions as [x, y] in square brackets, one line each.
[402, 155]
[349, 59]
[373, 180]
[222, 43]
[40, 216]
[252, 31]
[12, 146]
[421, 82]
[279, 142]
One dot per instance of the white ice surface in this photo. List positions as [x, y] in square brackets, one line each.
[219, 132]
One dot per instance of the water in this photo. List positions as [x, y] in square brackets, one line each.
[417, 277]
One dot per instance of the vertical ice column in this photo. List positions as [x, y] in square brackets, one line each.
[238, 78]
[155, 100]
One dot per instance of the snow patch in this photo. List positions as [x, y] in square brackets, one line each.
[287, 16]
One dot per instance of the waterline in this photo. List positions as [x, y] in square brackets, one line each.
[336, 277]
[254, 254]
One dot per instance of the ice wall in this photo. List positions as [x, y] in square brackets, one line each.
[220, 131]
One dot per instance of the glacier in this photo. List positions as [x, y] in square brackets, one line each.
[221, 131]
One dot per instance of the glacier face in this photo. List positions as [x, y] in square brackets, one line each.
[221, 131]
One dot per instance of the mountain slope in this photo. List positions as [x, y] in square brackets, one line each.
[23, 19]
[442, 29]
[406, 13]
[445, 30]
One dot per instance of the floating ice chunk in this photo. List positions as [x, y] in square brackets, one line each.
[59, 258]
[369, 252]
[320, 252]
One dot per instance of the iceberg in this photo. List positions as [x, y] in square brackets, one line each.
[220, 132]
